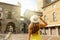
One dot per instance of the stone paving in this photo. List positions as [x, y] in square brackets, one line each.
[18, 37]
[24, 37]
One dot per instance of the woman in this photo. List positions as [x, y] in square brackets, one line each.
[34, 28]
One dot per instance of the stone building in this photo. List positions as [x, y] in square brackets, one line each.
[9, 15]
[29, 13]
[51, 14]
[24, 22]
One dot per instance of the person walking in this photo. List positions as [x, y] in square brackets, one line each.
[34, 28]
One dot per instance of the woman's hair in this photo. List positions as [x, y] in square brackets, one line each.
[35, 27]
[35, 20]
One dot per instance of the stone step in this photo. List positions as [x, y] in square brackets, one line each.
[2, 36]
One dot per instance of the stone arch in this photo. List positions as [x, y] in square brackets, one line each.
[8, 26]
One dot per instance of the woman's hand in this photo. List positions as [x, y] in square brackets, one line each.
[40, 14]
[41, 18]
[43, 25]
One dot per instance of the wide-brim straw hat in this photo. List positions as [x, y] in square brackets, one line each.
[35, 19]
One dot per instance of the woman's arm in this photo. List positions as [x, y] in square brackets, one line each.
[44, 23]
[29, 35]
[29, 32]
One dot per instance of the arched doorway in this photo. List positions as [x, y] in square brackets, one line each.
[9, 26]
[23, 27]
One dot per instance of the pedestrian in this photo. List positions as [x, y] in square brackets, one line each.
[10, 29]
[34, 28]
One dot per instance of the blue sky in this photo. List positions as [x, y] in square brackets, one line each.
[25, 4]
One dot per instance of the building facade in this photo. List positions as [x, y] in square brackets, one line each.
[24, 22]
[29, 13]
[51, 12]
[9, 15]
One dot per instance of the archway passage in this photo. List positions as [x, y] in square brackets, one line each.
[8, 27]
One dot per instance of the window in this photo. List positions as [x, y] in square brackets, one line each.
[45, 17]
[53, 5]
[54, 16]
[1, 15]
[9, 15]
[0, 9]
[49, 1]
[46, 2]
[6, 11]
[53, 1]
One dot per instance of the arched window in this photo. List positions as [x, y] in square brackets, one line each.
[45, 17]
[54, 16]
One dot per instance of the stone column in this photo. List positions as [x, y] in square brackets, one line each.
[49, 31]
[56, 30]
[44, 31]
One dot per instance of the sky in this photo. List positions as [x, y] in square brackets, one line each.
[25, 4]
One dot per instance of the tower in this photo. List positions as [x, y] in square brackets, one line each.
[40, 5]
